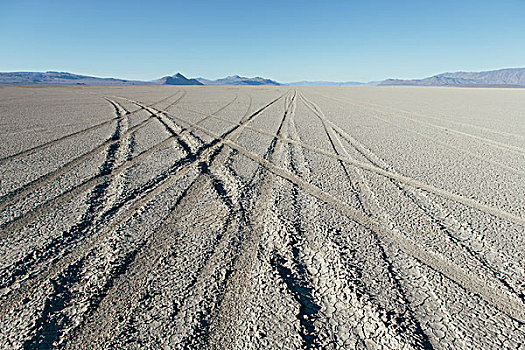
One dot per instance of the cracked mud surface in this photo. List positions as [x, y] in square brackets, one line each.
[262, 218]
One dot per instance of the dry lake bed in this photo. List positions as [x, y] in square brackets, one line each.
[262, 218]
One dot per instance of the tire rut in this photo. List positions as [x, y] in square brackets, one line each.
[108, 307]
[18, 222]
[24, 190]
[474, 204]
[137, 198]
[418, 200]
[496, 144]
[49, 321]
[221, 191]
[329, 252]
[66, 137]
[224, 322]
[505, 303]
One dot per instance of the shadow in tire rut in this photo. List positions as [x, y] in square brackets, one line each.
[308, 309]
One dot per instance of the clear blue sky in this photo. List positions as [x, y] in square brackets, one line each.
[283, 40]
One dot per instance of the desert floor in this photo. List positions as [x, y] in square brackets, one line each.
[262, 217]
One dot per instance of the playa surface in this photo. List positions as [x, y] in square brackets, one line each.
[262, 217]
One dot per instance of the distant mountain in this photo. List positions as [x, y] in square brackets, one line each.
[325, 83]
[238, 80]
[60, 78]
[177, 79]
[63, 78]
[509, 77]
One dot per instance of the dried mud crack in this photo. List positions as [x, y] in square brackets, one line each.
[263, 218]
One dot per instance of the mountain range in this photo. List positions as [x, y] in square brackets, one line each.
[237, 80]
[509, 77]
[59, 78]
[64, 78]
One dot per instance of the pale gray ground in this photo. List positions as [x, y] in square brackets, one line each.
[262, 218]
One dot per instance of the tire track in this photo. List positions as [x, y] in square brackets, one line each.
[422, 297]
[115, 154]
[506, 303]
[53, 142]
[136, 200]
[140, 276]
[224, 324]
[196, 141]
[421, 185]
[220, 189]
[42, 209]
[248, 110]
[50, 323]
[88, 221]
[203, 331]
[219, 255]
[160, 101]
[66, 137]
[229, 158]
[336, 270]
[293, 272]
[503, 302]
[386, 173]
[414, 197]
[430, 300]
[190, 145]
[190, 324]
[273, 261]
[174, 102]
[443, 144]
[110, 307]
[496, 144]
[100, 206]
[19, 222]
[9, 199]
[34, 185]
[332, 138]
